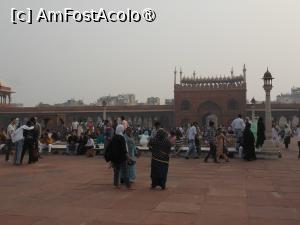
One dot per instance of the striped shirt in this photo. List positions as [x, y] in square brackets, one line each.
[211, 135]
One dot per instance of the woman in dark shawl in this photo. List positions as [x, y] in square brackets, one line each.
[118, 150]
[248, 144]
[161, 148]
[260, 133]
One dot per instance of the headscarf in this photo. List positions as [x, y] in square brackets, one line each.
[247, 129]
[120, 129]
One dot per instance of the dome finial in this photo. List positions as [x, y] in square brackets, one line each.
[267, 74]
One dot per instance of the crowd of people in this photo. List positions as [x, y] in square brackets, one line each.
[120, 143]
[161, 143]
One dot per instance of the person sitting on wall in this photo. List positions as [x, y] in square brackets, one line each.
[45, 143]
[72, 143]
[90, 147]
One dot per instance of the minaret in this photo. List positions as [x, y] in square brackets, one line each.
[231, 71]
[194, 74]
[175, 73]
[244, 72]
[180, 73]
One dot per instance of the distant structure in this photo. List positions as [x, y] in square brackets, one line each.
[169, 101]
[72, 102]
[5, 95]
[119, 100]
[43, 105]
[16, 105]
[153, 101]
[293, 97]
[203, 99]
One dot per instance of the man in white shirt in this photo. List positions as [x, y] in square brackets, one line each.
[238, 125]
[191, 135]
[10, 131]
[75, 125]
[275, 136]
[89, 147]
[18, 139]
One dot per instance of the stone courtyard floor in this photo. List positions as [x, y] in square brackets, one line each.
[75, 190]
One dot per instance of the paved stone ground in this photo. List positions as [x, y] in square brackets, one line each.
[75, 190]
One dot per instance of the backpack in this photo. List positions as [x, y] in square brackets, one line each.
[108, 153]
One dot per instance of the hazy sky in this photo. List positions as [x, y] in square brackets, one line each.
[51, 63]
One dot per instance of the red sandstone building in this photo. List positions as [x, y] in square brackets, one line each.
[200, 99]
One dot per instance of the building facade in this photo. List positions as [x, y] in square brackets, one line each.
[153, 101]
[293, 97]
[54, 118]
[199, 99]
[119, 100]
[72, 102]
[169, 101]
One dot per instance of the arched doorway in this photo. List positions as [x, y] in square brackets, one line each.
[210, 117]
[210, 111]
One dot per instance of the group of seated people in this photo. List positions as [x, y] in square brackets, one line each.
[80, 145]
[75, 145]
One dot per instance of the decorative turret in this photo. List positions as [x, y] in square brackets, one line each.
[180, 74]
[268, 79]
[5, 94]
[244, 72]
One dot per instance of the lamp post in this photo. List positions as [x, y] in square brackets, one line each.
[268, 147]
[104, 104]
[268, 79]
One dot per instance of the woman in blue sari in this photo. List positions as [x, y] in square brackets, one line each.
[132, 153]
